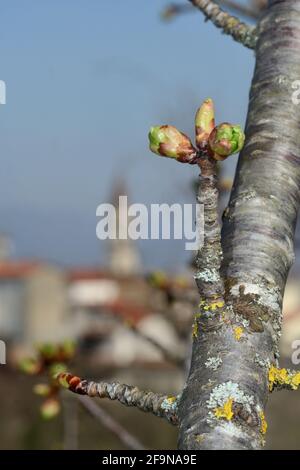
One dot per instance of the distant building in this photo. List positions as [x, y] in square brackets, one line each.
[103, 308]
[33, 303]
[6, 247]
[124, 258]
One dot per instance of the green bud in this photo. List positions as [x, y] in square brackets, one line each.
[30, 366]
[48, 350]
[158, 279]
[57, 368]
[68, 349]
[225, 140]
[43, 390]
[62, 379]
[168, 141]
[170, 12]
[50, 408]
[204, 122]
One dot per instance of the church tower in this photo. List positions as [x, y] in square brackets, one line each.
[124, 258]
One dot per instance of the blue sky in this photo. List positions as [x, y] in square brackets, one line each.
[85, 81]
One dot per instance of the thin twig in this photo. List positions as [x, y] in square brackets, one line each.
[175, 9]
[163, 406]
[169, 355]
[111, 424]
[230, 25]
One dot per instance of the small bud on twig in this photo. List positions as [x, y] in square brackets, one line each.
[225, 140]
[30, 366]
[204, 123]
[50, 408]
[170, 12]
[168, 141]
[43, 390]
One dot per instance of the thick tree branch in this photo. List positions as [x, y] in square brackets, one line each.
[162, 406]
[111, 424]
[223, 403]
[230, 25]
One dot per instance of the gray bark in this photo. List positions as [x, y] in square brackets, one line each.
[257, 240]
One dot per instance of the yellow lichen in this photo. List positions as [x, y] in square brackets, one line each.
[171, 400]
[263, 423]
[195, 325]
[277, 377]
[295, 380]
[225, 411]
[195, 329]
[238, 332]
[283, 377]
[214, 305]
[211, 305]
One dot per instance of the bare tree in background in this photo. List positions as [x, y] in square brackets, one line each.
[241, 274]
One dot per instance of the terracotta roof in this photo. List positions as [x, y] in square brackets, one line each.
[90, 273]
[87, 274]
[17, 269]
[124, 310]
[127, 311]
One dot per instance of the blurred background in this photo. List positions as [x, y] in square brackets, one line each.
[85, 81]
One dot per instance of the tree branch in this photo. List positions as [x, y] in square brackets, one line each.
[175, 9]
[230, 25]
[257, 240]
[162, 406]
[209, 257]
[169, 355]
[111, 424]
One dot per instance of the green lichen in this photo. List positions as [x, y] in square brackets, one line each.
[264, 363]
[213, 362]
[208, 275]
[199, 438]
[242, 321]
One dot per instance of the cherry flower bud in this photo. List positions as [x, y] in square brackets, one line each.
[168, 141]
[43, 390]
[204, 123]
[225, 140]
[50, 408]
[30, 366]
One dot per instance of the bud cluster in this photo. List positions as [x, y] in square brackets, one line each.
[50, 360]
[216, 141]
